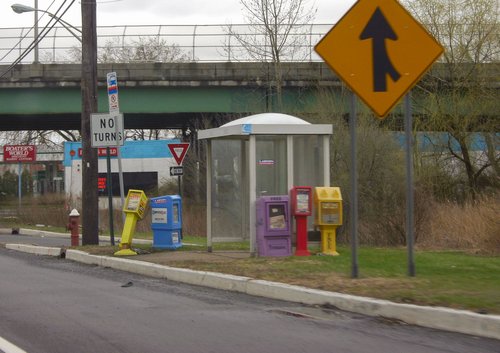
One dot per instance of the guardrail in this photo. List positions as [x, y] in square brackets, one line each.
[161, 43]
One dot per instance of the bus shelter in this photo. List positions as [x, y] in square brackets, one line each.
[259, 155]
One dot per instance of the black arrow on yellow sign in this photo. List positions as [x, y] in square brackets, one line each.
[378, 29]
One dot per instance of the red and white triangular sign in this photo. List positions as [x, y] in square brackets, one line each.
[178, 150]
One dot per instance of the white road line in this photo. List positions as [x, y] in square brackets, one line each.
[7, 347]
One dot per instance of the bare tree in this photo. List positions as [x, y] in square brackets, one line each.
[458, 96]
[157, 49]
[144, 49]
[275, 34]
[151, 134]
[50, 138]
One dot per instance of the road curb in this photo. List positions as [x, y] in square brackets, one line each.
[41, 233]
[433, 317]
[34, 249]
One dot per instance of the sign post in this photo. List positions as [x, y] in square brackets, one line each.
[354, 188]
[380, 51]
[18, 154]
[114, 107]
[410, 223]
[19, 182]
[178, 151]
[107, 131]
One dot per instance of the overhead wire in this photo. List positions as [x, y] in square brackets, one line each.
[52, 22]
[27, 33]
[35, 41]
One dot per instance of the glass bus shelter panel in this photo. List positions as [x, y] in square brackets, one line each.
[227, 190]
[271, 168]
[308, 163]
[308, 166]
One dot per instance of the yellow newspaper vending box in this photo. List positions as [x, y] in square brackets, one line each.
[328, 216]
[135, 209]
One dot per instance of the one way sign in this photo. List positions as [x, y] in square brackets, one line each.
[380, 51]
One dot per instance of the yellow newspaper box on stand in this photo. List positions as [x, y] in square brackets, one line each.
[135, 209]
[328, 216]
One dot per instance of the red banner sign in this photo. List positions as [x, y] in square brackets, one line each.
[19, 153]
[101, 152]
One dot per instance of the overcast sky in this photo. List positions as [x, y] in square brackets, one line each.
[121, 12]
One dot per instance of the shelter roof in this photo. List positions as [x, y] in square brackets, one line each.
[266, 124]
[268, 119]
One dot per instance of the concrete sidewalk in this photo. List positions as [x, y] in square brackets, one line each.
[434, 317]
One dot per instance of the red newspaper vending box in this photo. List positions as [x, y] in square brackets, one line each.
[301, 199]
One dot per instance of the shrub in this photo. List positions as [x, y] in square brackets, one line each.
[473, 226]
[48, 209]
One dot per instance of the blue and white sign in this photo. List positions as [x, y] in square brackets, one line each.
[246, 129]
[114, 106]
[131, 150]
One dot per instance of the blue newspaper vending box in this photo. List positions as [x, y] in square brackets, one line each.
[166, 221]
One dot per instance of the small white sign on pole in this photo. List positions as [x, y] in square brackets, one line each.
[106, 130]
[114, 105]
[114, 108]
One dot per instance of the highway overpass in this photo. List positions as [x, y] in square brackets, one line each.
[155, 95]
[171, 95]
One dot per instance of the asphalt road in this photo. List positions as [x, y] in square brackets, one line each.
[54, 305]
[41, 240]
[6, 237]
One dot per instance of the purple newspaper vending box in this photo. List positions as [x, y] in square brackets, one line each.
[273, 226]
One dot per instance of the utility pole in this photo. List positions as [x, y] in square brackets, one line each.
[90, 209]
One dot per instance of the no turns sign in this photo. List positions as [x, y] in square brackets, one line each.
[106, 130]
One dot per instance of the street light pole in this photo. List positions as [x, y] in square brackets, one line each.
[90, 210]
[18, 8]
[36, 33]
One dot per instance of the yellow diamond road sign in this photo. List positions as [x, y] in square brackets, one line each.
[380, 51]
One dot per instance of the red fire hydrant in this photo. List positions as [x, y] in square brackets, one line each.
[73, 226]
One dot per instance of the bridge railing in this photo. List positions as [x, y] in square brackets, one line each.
[151, 43]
